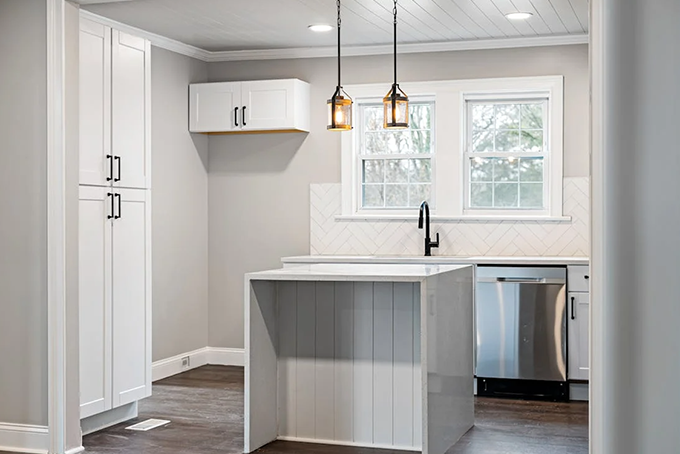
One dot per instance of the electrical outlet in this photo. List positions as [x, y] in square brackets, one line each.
[185, 363]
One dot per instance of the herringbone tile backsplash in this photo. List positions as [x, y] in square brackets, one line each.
[460, 238]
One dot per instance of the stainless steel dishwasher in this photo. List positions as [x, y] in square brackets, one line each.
[521, 322]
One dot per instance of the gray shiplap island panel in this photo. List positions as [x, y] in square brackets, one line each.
[360, 355]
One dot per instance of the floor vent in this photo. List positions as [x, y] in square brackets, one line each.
[148, 425]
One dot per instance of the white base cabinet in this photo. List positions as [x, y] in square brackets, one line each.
[256, 106]
[115, 298]
[579, 318]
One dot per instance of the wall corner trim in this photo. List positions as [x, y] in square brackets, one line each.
[168, 367]
[23, 438]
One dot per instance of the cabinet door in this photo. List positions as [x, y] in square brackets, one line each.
[95, 300]
[95, 103]
[579, 342]
[215, 107]
[131, 111]
[269, 104]
[131, 310]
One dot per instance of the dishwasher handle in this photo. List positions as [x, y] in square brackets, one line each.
[522, 280]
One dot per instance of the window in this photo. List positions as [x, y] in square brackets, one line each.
[395, 165]
[507, 148]
[475, 149]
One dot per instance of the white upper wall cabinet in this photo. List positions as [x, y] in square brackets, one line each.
[131, 110]
[255, 106]
[95, 103]
[115, 108]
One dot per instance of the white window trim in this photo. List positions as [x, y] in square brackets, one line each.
[450, 129]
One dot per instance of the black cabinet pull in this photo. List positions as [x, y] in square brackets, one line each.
[235, 116]
[117, 158]
[243, 116]
[118, 216]
[587, 277]
[113, 209]
[573, 314]
[110, 159]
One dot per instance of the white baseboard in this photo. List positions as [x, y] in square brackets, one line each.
[226, 356]
[76, 450]
[207, 355]
[24, 438]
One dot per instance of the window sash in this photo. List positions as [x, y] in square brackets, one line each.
[360, 157]
[469, 154]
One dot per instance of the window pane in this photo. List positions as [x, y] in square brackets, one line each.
[374, 196]
[532, 116]
[373, 118]
[421, 116]
[505, 195]
[481, 195]
[419, 193]
[397, 171]
[531, 195]
[396, 195]
[421, 170]
[482, 140]
[420, 142]
[375, 143]
[507, 140]
[531, 169]
[507, 116]
[483, 116]
[374, 171]
[481, 169]
[532, 141]
[506, 169]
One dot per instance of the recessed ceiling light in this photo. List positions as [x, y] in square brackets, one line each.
[519, 15]
[320, 28]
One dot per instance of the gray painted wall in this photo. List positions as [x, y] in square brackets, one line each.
[180, 209]
[640, 212]
[259, 184]
[23, 204]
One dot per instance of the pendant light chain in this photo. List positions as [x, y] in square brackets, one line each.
[395, 41]
[339, 25]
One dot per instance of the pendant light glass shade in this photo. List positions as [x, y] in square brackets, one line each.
[396, 109]
[396, 101]
[340, 104]
[340, 111]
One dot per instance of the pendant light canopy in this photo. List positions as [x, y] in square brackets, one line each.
[340, 104]
[396, 101]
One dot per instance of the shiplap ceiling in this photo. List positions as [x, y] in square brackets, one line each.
[246, 25]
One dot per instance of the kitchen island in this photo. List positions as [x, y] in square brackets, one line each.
[360, 355]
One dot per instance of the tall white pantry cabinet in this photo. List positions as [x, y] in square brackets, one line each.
[115, 219]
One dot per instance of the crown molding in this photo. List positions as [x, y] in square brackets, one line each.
[154, 39]
[349, 51]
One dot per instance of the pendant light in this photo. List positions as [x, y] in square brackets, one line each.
[340, 104]
[396, 101]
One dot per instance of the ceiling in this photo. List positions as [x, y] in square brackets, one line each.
[246, 25]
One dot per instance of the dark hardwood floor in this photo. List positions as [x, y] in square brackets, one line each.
[205, 406]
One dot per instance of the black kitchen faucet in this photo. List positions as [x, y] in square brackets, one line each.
[429, 244]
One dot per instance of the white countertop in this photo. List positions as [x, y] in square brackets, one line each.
[439, 260]
[355, 272]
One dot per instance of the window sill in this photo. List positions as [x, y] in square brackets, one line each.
[444, 219]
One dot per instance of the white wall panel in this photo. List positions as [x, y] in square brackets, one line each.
[348, 363]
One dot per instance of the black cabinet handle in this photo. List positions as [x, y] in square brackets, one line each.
[243, 116]
[118, 216]
[113, 209]
[110, 159]
[587, 277]
[573, 314]
[235, 116]
[117, 158]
